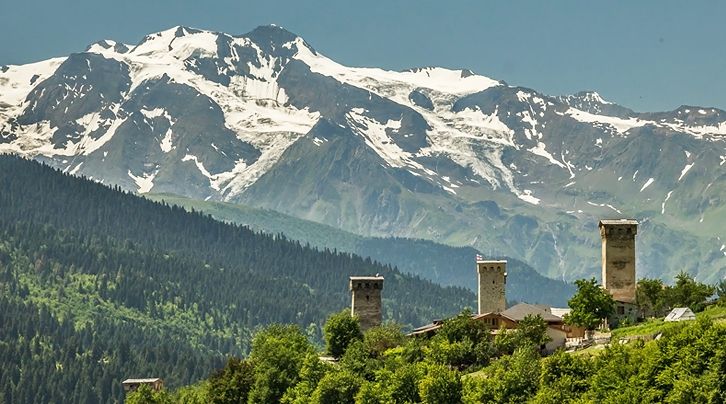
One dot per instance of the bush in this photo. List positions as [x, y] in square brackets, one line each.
[440, 385]
[530, 332]
[509, 379]
[278, 353]
[564, 377]
[590, 305]
[340, 330]
[462, 342]
[380, 339]
[337, 387]
[231, 384]
[144, 395]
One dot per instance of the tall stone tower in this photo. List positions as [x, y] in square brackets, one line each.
[618, 258]
[366, 300]
[492, 279]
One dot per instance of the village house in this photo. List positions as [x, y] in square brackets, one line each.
[155, 383]
[618, 278]
[557, 330]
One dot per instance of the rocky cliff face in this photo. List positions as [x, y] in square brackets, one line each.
[447, 155]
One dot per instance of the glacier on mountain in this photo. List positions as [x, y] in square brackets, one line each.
[226, 117]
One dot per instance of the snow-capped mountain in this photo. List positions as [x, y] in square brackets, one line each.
[448, 155]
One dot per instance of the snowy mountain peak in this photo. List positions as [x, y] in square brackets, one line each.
[592, 102]
[591, 96]
[180, 42]
[272, 39]
[464, 73]
[176, 31]
[263, 118]
[106, 45]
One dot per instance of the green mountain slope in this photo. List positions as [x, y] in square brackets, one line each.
[98, 285]
[446, 265]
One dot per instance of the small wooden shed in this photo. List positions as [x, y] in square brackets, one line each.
[155, 383]
[680, 314]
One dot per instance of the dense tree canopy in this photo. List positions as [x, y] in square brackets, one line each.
[98, 285]
[687, 292]
[590, 305]
[341, 330]
[461, 343]
[686, 364]
[655, 298]
[231, 384]
[531, 332]
[278, 353]
[650, 297]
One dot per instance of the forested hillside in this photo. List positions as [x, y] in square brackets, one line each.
[98, 285]
[464, 363]
[443, 264]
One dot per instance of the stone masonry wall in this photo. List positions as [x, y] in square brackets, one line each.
[618, 260]
[492, 280]
[366, 301]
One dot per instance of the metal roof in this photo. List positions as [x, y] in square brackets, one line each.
[366, 278]
[680, 313]
[560, 311]
[426, 329]
[149, 380]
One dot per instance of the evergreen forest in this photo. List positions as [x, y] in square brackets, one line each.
[446, 265]
[98, 285]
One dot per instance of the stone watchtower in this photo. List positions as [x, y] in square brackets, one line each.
[618, 258]
[366, 300]
[492, 279]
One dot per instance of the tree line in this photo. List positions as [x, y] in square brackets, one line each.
[591, 304]
[463, 363]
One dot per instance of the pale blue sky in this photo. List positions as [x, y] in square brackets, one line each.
[647, 55]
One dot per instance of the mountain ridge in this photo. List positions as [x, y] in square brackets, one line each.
[409, 154]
